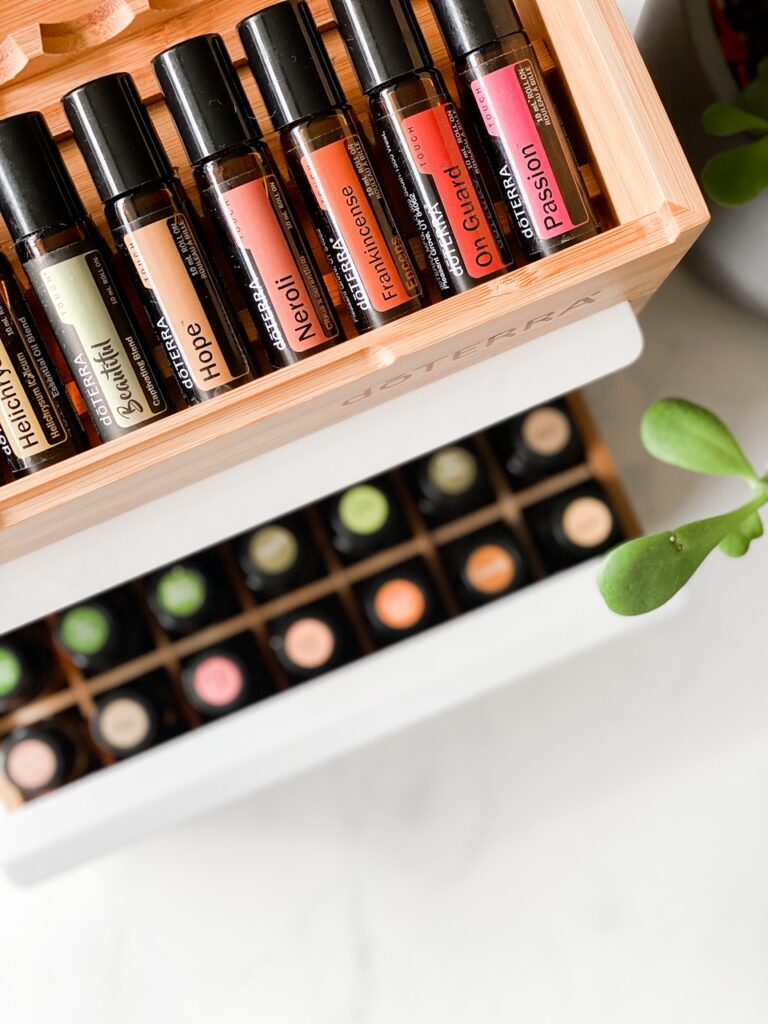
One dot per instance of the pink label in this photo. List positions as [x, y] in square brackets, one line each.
[515, 111]
[262, 235]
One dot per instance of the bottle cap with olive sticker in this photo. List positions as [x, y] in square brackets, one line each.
[273, 550]
[278, 557]
[453, 470]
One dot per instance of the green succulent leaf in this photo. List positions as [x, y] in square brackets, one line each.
[739, 175]
[724, 119]
[642, 575]
[738, 543]
[754, 99]
[687, 435]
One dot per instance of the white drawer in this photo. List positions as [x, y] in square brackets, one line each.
[206, 512]
[312, 723]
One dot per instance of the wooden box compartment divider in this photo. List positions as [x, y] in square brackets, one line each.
[648, 199]
[455, 662]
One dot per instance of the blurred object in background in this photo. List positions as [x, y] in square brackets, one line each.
[703, 52]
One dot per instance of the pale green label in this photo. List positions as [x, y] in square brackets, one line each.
[96, 336]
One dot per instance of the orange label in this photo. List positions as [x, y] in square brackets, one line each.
[431, 137]
[166, 257]
[342, 193]
[261, 235]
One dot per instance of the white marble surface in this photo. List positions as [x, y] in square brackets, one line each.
[587, 847]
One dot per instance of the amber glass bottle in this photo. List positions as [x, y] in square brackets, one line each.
[69, 267]
[422, 133]
[329, 159]
[37, 424]
[521, 130]
[246, 200]
[155, 229]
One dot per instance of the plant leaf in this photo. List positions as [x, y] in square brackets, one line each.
[723, 119]
[754, 99]
[644, 574]
[737, 544]
[687, 435]
[739, 175]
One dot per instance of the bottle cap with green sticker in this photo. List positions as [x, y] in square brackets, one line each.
[86, 630]
[364, 510]
[181, 592]
[11, 672]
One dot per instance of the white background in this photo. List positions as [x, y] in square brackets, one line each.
[587, 847]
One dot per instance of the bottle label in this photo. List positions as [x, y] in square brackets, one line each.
[30, 421]
[284, 286]
[169, 265]
[515, 111]
[460, 217]
[375, 267]
[86, 313]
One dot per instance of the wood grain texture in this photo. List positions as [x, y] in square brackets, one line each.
[636, 162]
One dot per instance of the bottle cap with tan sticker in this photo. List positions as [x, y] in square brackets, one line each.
[588, 522]
[574, 526]
[540, 443]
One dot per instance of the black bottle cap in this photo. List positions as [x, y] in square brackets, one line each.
[468, 25]
[384, 40]
[290, 63]
[116, 136]
[36, 190]
[205, 96]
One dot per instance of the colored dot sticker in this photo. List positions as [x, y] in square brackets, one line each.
[218, 681]
[491, 569]
[31, 764]
[11, 671]
[588, 522]
[400, 604]
[309, 643]
[546, 431]
[85, 630]
[453, 470]
[364, 510]
[181, 591]
[273, 550]
[124, 723]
